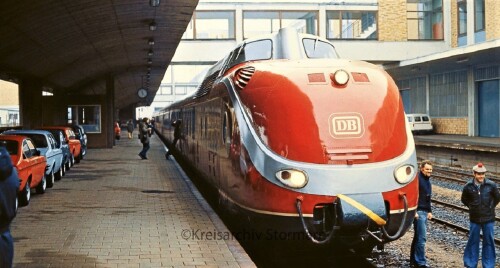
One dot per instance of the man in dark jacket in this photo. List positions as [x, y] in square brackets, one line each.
[144, 134]
[481, 196]
[9, 185]
[424, 213]
[177, 135]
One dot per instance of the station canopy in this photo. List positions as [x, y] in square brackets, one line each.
[76, 46]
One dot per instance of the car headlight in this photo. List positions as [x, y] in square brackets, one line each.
[405, 173]
[292, 178]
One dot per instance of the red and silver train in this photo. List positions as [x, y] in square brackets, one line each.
[300, 141]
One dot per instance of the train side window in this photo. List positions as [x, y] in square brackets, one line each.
[226, 128]
[257, 50]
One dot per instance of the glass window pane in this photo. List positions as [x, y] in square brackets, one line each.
[304, 22]
[189, 33]
[479, 15]
[258, 50]
[424, 19]
[214, 25]
[88, 116]
[257, 23]
[332, 24]
[462, 18]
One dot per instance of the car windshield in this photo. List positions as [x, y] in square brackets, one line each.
[39, 140]
[11, 146]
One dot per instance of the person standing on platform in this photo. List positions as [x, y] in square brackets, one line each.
[177, 135]
[423, 215]
[130, 128]
[144, 134]
[9, 184]
[481, 196]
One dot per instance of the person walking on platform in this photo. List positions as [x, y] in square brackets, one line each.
[424, 213]
[481, 196]
[144, 134]
[130, 128]
[177, 135]
[9, 184]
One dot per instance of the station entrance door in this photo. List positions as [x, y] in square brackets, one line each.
[489, 108]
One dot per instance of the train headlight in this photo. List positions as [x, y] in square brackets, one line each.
[340, 77]
[292, 178]
[404, 174]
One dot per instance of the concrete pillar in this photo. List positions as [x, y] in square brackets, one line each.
[30, 103]
[109, 115]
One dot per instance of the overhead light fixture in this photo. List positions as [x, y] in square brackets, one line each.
[150, 53]
[152, 26]
[151, 41]
[150, 61]
[154, 3]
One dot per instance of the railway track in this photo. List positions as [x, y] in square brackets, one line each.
[453, 225]
[458, 175]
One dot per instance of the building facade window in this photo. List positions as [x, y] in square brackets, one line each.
[448, 94]
[479, 16]
[413, 94]
[462, 17]
[88, 116]
[211, 25]
[257, 23]
[351, 25]
[425, 19]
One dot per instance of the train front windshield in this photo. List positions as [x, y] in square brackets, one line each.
[317, 49]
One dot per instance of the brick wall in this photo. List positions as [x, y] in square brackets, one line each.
[392, 20]
[457, 126]
[454, 24]
[492, 16]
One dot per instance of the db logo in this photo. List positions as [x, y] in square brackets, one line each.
[346, 125]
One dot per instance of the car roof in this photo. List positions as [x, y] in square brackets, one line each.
[56, 127]
[29, 131]
[18, 138]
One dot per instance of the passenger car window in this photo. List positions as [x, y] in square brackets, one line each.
[39, 140]
[317, 49]
[11, 146]
[27, 150]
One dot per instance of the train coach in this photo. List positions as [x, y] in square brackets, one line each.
[299, 141]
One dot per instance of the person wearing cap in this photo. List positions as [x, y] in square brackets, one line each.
[423, 215]
[9, 184]
[481, 196]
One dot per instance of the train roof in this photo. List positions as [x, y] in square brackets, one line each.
[286, 44]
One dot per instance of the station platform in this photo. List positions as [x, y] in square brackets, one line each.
[460, 151]
[115, 210]
[460, 142]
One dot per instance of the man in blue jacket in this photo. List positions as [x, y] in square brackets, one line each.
[9, 185]
[424, 213]
[481, 196]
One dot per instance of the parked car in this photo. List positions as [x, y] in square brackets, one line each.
[29, 163]
[68, 159]
[420, 123]
[46, 143]
[82, 136]
[74, 144]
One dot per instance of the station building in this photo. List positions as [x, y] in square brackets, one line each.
[443, 54]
